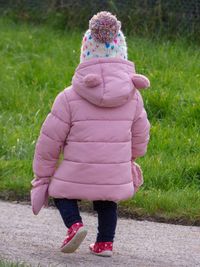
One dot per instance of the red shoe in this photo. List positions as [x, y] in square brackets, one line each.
[102, 249]
[75, 236]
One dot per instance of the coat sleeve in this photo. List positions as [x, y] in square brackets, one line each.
[140, 130]
[52, 138]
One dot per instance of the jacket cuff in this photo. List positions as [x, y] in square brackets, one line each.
[40, 181]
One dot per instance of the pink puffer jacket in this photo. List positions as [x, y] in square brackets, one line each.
[100, 124]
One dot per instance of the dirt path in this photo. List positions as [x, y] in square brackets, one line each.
[36, 240]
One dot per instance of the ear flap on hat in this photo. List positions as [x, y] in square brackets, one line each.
[92, 80]
[140, 81]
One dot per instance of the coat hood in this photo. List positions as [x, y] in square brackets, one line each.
[105, 82]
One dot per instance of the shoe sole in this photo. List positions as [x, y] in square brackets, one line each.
[75, 242]
[103, 254]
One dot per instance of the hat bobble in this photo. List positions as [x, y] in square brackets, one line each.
[104, 27]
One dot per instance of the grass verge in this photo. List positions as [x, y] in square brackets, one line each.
[5, 263]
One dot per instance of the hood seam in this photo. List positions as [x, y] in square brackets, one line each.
[103, 84]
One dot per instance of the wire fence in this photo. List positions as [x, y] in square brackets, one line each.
[144, 17]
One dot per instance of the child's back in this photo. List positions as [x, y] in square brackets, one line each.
[101, 125]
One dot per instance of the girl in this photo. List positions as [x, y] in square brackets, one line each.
[100, 124]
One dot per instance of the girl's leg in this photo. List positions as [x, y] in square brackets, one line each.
[69, 210]
[107, 220]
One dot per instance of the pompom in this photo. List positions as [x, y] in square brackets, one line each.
[140, 81]
[104, 27]
[92, 80]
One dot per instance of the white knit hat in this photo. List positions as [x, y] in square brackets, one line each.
[103, 38]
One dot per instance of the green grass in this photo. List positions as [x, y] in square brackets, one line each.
[36, 62]
[4, 263]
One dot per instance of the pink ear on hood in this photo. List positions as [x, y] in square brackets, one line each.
[140, 81]
[92, 80]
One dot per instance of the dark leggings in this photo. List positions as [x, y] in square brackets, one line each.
[107, 216]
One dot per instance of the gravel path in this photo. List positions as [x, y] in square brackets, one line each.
[36, 240]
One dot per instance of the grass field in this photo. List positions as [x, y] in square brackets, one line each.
[37, 62]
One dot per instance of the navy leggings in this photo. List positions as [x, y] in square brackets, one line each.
[107, 216]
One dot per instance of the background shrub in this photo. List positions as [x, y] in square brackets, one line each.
[144, 17]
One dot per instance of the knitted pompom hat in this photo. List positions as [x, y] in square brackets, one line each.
[103, 38]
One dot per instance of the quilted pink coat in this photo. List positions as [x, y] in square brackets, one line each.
[101, 126]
